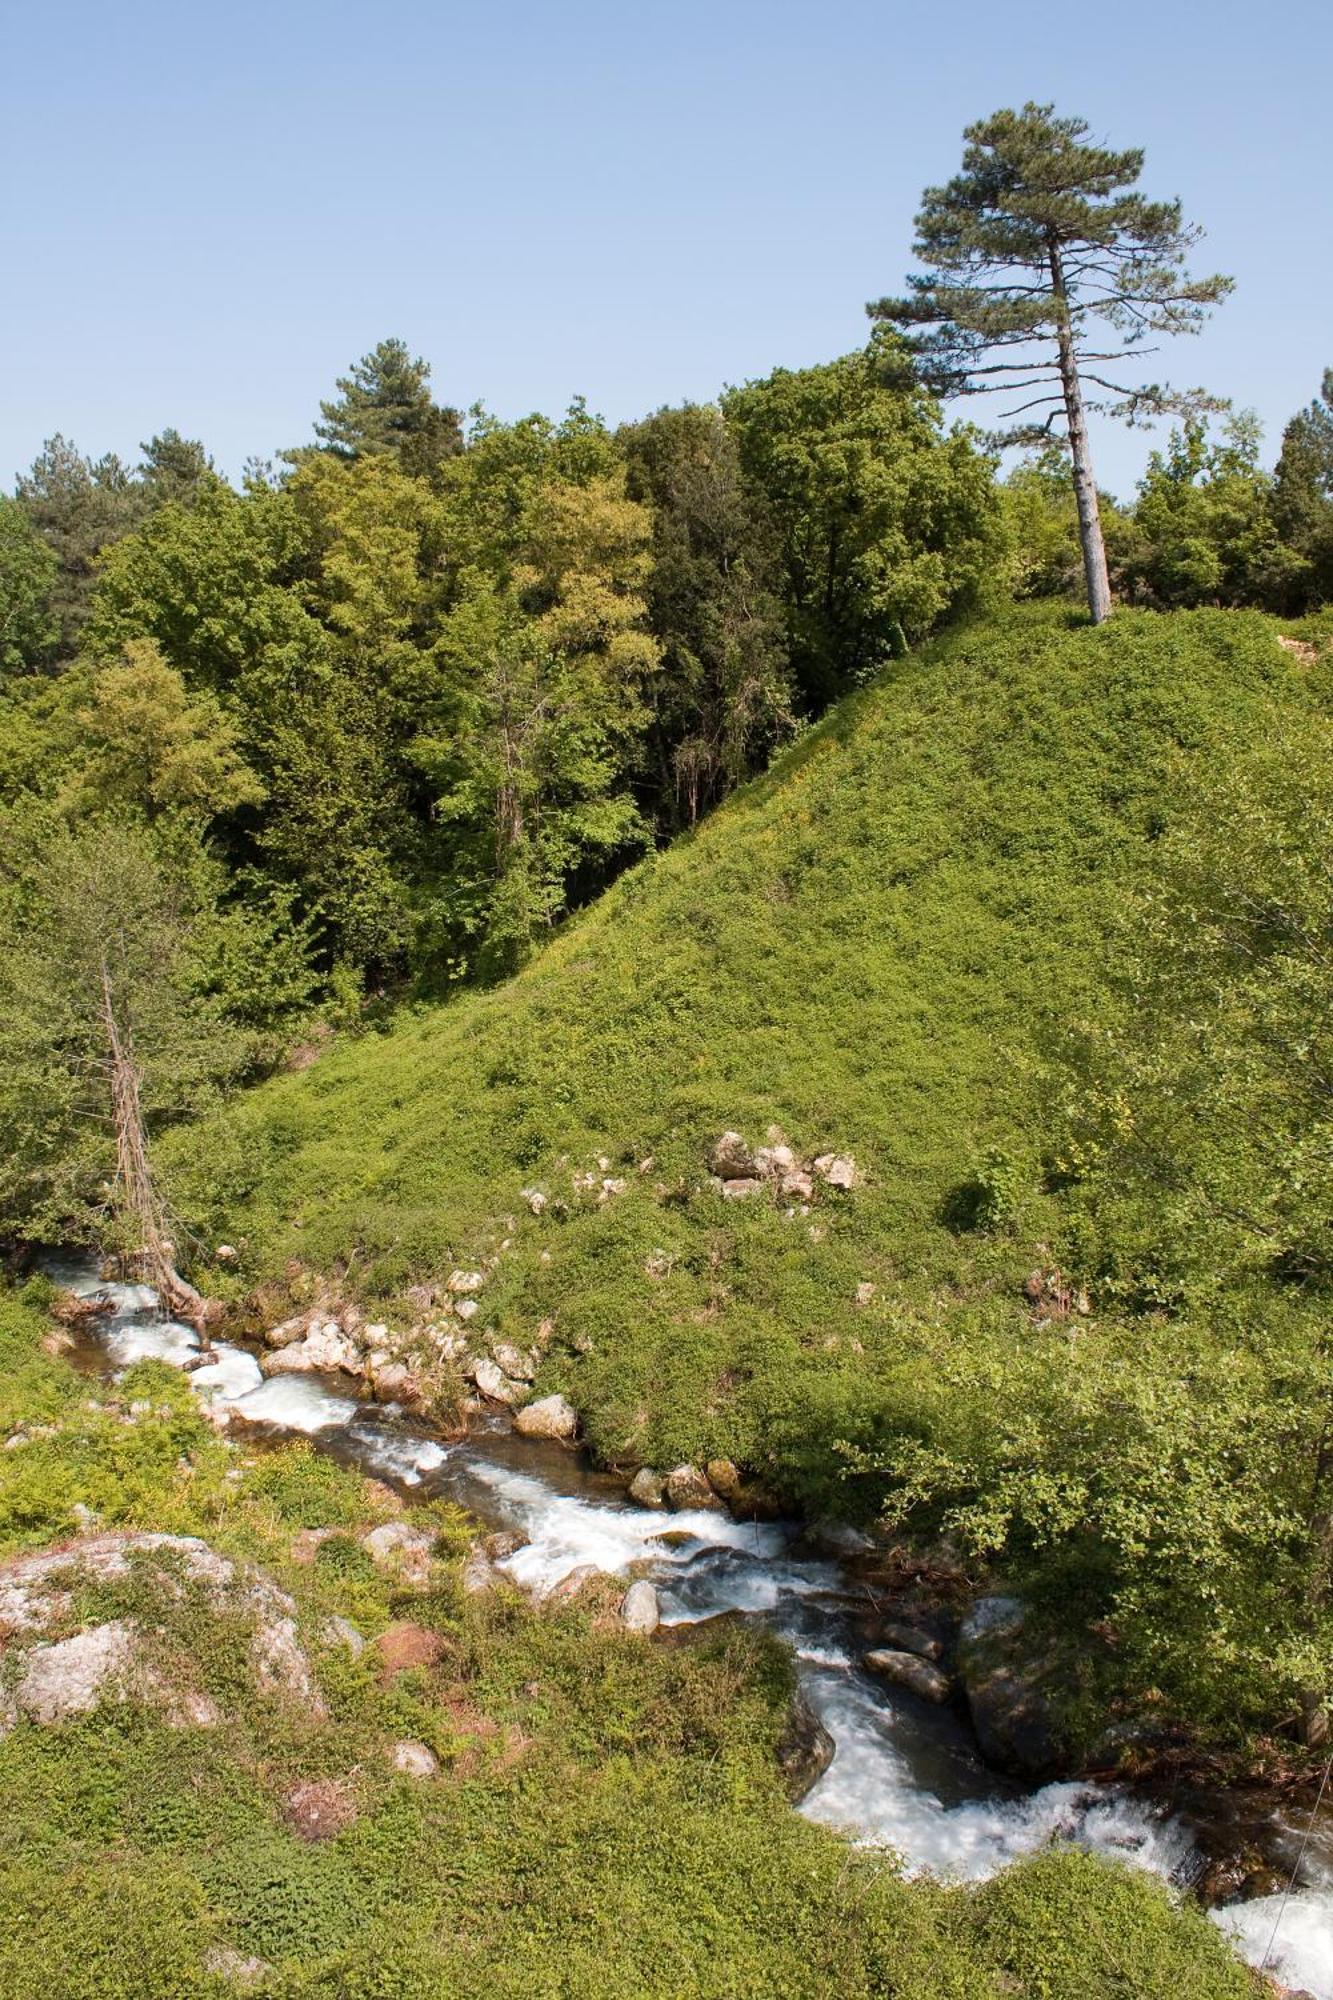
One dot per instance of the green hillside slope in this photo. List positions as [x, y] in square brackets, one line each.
[876, 949]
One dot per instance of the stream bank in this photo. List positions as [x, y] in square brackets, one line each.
[906, 1773]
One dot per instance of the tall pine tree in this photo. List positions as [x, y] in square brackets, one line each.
[1045, 275]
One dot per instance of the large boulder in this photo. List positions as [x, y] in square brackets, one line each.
[1005, 1680]
[552, 1417]
[494, 1384]
[805, 1749]
[325, 1350]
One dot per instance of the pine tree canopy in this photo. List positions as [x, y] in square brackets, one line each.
[1040, 232]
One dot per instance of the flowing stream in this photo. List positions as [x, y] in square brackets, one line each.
[905, 1775]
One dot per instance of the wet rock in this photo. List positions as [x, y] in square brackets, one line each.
[404, 1646]
[413, 1759]
[837, 1538]
[910, 1639]
[648, 1488]
[639, 1608]
[503, 1543]
[731, 1159]
[552, 1417]
[319, 1809]
[1002, 1680]
[909, 1671]
[805, 1749]
[836, 1170]
[687, 1490]
[724, 1477]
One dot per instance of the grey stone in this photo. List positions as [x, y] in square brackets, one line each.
[639, 1608]
[1005, 1684]
[731, 1159]
[805, 1749]
[910, 1639]
[71, 1676]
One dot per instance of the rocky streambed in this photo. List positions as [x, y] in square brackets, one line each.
[885, 1753]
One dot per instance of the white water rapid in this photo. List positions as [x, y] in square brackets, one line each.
[904, 1775]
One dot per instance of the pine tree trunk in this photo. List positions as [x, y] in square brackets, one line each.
[1085, 483]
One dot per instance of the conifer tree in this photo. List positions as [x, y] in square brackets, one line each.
[385, 406]
[1045, 275]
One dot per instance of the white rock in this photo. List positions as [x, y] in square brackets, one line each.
[552, 1417]
[467, 1309]
[493, 1383]
[639, 1609]
[520, 1367]
[836, 1170]
[462, 1282]
[414, 1760]
[71, 1676]
[535, 1199]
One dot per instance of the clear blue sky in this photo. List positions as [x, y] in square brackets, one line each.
[209, 210]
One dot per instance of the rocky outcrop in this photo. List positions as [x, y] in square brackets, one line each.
[804, 1750]
[51, 1673]
[401, 1550]
[1005, 1681]
[552, 1417]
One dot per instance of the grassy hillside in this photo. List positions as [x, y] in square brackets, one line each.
[877, 948]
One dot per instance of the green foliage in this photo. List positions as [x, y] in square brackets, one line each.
[1203, 530]
[385, 409]
[1302, 498]
[96, 927]
[879, 521]
[28, 570]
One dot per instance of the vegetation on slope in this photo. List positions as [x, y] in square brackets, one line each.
[909, 943]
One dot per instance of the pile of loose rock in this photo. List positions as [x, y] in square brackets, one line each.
[777, 1170]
